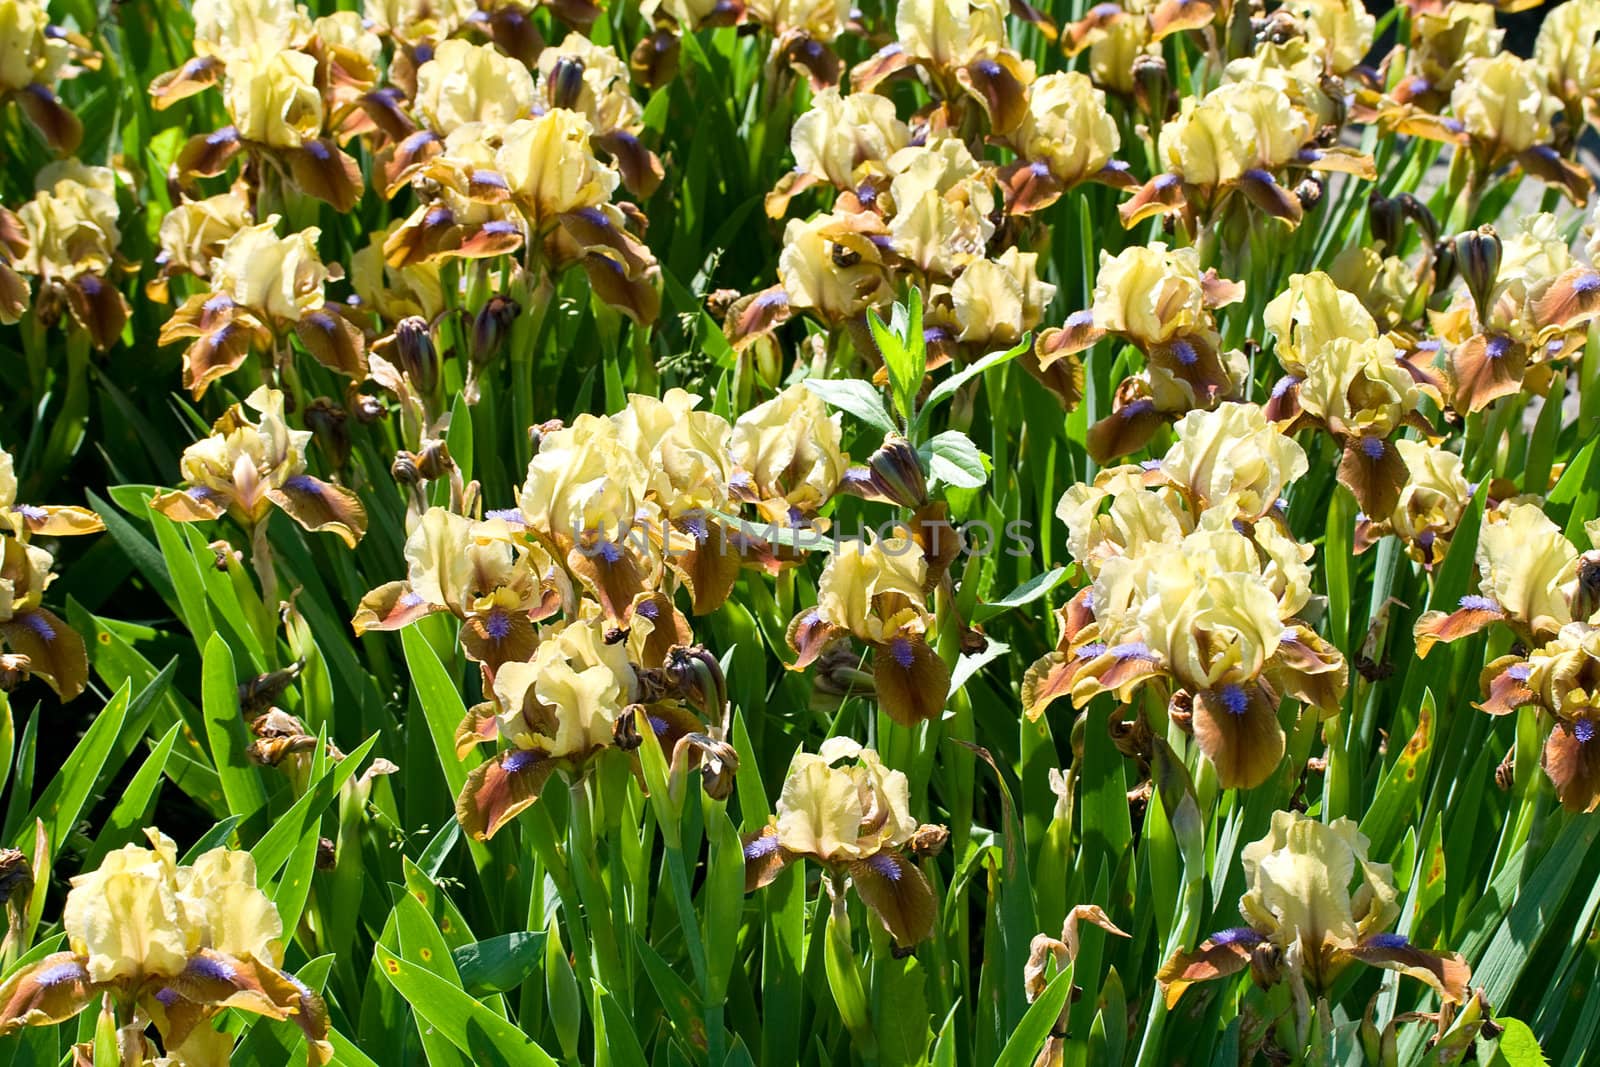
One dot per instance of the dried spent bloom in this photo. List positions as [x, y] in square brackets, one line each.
[182, 943]
[246, 468]
[841, 807]
[1315, 903]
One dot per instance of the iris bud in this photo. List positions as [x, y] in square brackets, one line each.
[566, 83]
[897, 473]
[1151, 83]
[1478, 260]
[492, 324]
[419, 358]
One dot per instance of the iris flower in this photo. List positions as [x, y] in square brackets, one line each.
[41, 642]
[248, 467]
[877, 593]
[68, 240]
[174, 945]
[1158, 299]
[486, 573]
[1530, 577]
[1197, 588]
[263, 288]
[842, 808]
[1314, 904]
[1562, 679]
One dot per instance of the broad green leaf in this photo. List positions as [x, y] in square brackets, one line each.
[855, 397]
[64, 798]
[486, 1038]
[230, 741]
[276, 845]
[954, 460]
[1028, 1038]
[500, 964]
[1038, 586]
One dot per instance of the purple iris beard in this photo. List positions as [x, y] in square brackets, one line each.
[1388, 941]
[39, 625]
[761, 847]
[886, 865]
[211, 968]
[903, 654]
[60, 973]
[1238, 935]
[1478, 603]
[519, 760]
[1235, 699]
[1583, 730]
[498, 624]
[301, 483]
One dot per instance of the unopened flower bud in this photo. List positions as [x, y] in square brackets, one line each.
[417, 354]
[327, 421]
[625, 730]
[566, 83]
[1419, 213]
[1387, 221]
[1586, 598]
[1478, 260]
[1444, 265]
[1151, 84]
[897, 473]
[405, 468]
[491, 326]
